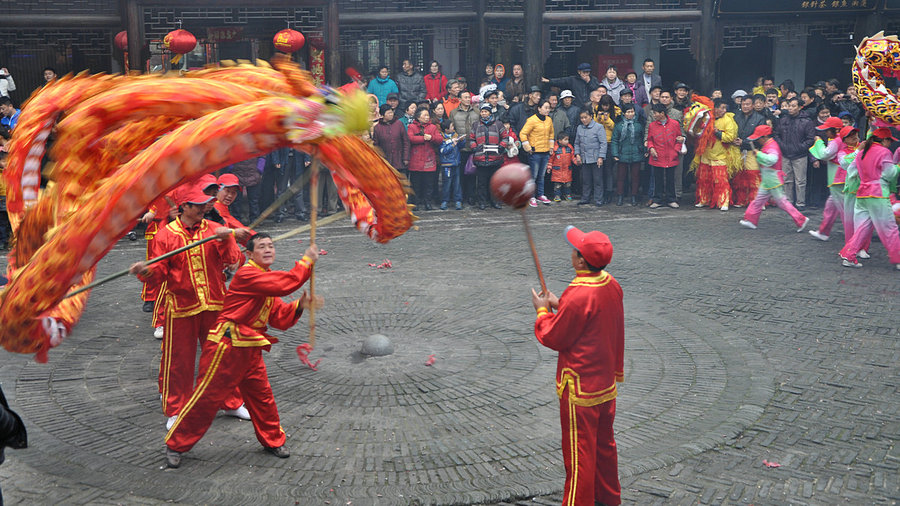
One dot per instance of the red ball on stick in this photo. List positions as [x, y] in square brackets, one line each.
[121, 40]
[513, 185]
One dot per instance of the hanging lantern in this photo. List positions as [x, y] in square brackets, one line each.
[121, 40]
[179, 42]
[288, 41]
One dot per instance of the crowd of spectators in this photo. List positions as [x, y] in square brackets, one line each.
[473, 127]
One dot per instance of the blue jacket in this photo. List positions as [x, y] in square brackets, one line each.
[381, 88]
[449, 152]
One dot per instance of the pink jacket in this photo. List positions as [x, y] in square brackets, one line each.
[662, 138]
[871, 166]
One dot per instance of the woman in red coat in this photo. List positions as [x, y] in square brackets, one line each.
[435, 83]
[390, 135]
[424, 136]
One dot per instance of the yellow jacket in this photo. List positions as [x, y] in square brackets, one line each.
[538, 134]
[723, 151]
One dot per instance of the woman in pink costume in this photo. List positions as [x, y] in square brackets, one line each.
[877, 180]
[830, 153]
[769, 159]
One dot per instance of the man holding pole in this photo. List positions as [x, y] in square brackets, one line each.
[194, 295]
[588, 331]
[232, 353]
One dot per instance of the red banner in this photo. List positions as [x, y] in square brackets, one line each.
[224, 34]
[623, 63]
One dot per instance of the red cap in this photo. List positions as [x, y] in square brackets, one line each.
[847, 130]
[206, 180]
[594, 246]
[884, 133]
[832, 122]
[192, 195]
[760, 131]
[226, 180]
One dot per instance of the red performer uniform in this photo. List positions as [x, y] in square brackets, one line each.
[194, 295]
[232, 354]
[588, 331]
[160, 210]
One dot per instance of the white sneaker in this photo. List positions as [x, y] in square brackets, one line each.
[532, 202]
[724, 208]
[158, 333]
[818, 235]
[864, 254]
[241, 412]
[674, 205]
[803, 227]
[698, 204]
[171, 421]
[848, 263]
[654, 205]
[748, 224]
[897, 266]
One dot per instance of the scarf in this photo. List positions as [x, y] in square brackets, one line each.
[540, 116]
[629, 130]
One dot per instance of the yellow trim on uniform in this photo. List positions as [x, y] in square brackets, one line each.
[166, 362]
[600, 280]
[573, 453]
[198, 392]
[542, 311]
[570, 378]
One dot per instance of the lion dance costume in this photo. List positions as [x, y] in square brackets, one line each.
[716, 158]
[122, 142]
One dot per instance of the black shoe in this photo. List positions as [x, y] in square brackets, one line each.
[633, 201]
[302, 217]
[620, 200]
[428, 206]
[132, 236]
[281, 452]
[173, 458]
[583, 203]
[279, 219]
[481, 207]
[148, 306]
[496, 205]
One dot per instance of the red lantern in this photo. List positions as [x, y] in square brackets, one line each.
[288, 41]
[121, 40]
[180, 42]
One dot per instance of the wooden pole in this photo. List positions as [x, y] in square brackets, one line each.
[534, 254]
[134, 26]
[332, 44]
[534, 41]
[313, 215]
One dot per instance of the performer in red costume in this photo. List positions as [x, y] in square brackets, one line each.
[229, 188]
[194, 295]
[232, 353]
[154, 218]
[588, 331]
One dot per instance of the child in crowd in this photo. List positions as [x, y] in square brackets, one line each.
[561, 159]
[513, 145]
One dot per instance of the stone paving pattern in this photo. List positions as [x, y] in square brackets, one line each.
[740, 346]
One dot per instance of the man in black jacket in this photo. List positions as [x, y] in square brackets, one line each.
[580, 85]
[745, 184]
[795, 134]
[524, 110]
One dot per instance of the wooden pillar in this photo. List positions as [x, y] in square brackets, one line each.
[706, 48]
[332, 44]
[534, 43]
[479, 30]
[134, 25]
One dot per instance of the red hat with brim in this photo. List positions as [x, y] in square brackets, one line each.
[760, 131]
[207, 180]
[847, 130]
[594, 246]
[226, 180]
[193, 195]
[832, 122]
[884, 133]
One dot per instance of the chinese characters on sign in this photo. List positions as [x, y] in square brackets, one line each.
[796, 6]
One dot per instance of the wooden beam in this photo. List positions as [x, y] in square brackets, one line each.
[134, 25]
[595, 17]
[234, 3]
[414, 17]
[332, 44]
[534, 41]
[60, 21]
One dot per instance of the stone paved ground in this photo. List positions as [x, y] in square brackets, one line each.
[741, 346]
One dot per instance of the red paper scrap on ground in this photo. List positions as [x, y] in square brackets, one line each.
[323, 252]
[771, 464]
[303, 351]
[430, 360]
[383, 265]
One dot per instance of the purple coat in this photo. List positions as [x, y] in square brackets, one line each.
[393, 141]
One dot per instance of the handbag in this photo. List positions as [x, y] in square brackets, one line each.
[470, 166]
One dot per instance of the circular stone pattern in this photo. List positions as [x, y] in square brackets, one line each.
[377, 345]
[479, 425]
